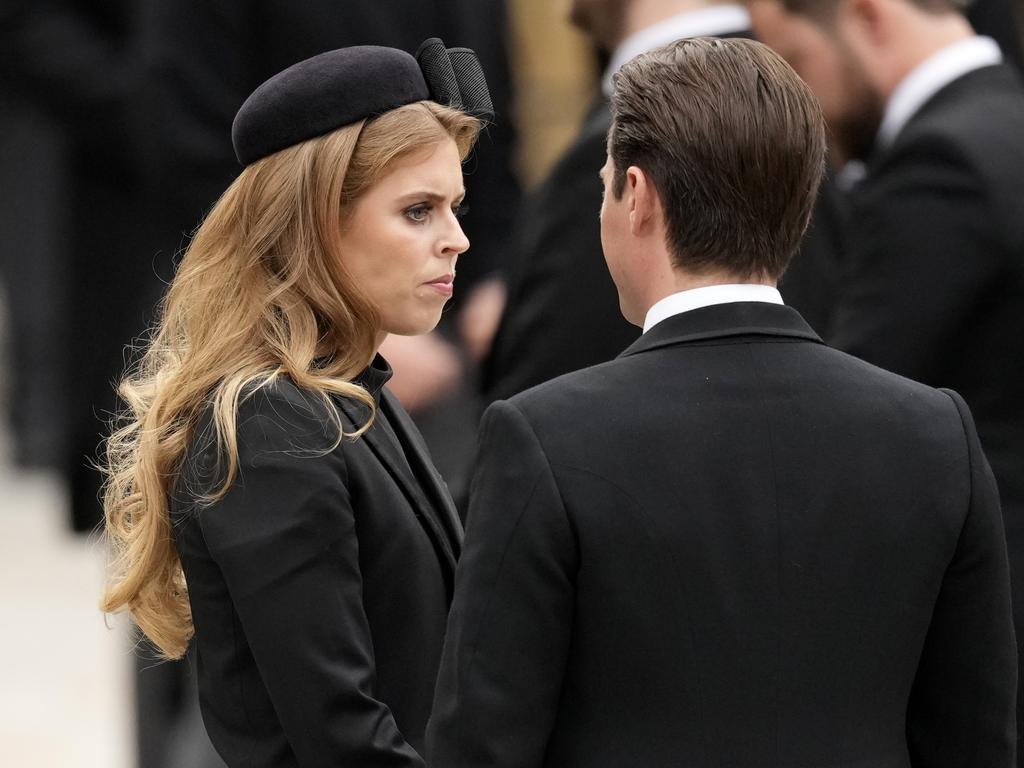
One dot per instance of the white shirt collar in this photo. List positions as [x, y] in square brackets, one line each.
[930, 77]
[695, 298]
[714, 20]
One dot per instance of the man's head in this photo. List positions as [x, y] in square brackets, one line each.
[715, 154]
[603, 21]
[608, 22]
[853, 53]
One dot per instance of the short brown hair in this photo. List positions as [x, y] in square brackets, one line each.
[734, 142]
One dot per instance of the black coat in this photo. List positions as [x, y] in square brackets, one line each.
[935, 288]
[732, 545]
[319, 586]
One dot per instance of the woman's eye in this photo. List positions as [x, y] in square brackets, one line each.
[417, 213]
[460, 210]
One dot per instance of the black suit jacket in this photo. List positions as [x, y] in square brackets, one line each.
[319, 586]
[936, 283]
[732, 545]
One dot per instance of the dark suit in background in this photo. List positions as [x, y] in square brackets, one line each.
[813, 281]
[77, 64]
[563, 310]
[1003, 21]
[735, 546]
[935, 287]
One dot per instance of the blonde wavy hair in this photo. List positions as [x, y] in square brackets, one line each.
[261, 292]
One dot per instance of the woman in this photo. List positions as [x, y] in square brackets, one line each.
[267, 492]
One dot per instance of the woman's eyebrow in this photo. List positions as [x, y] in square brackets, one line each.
[434, 197]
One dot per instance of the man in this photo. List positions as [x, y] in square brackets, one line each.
[562, 312]
[732, 545]
[935, 278]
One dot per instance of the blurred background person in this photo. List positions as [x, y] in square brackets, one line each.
[87, 270]
[933, 279]
[77, 64]
[562, 310]
[1002, 20]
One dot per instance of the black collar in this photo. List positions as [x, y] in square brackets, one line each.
[743, 318]
[374, 376]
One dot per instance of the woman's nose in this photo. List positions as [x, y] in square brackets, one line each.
[455, 239]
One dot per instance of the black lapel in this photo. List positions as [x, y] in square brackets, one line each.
[419, 458]
[745, 318]
[388, 455]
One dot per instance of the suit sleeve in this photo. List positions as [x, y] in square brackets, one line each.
[922, 258]
[284, 538]
[508, 632]
[962, 705]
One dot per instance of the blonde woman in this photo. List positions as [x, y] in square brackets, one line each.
[266, 492]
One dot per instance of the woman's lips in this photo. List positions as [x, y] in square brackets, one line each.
[445, 285]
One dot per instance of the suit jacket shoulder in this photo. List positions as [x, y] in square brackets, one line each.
[967, 137]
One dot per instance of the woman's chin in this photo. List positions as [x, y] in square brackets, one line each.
[417, 327]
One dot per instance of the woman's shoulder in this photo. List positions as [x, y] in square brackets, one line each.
[274, 418]
[283, 404]
[280, 415]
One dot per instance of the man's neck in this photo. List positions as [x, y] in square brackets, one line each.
[709, 295]
[921, 37]
[642, 14]
[679, 280]
[649, 30]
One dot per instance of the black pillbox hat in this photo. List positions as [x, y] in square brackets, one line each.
[340, 87]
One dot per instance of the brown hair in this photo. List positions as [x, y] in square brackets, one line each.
[260, 292]
[734, 143]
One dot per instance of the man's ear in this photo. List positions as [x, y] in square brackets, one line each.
[644, 203]
[865, 19]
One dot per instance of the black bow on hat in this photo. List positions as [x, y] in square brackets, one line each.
[339, 87]
[455, 78]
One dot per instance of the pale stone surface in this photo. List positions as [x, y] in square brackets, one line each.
[65, 690]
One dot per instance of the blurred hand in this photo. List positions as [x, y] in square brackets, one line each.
[426, 369]
[478, 321]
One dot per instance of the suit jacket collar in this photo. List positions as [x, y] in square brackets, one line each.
[719, 321]
[930, 76]
[375, 376]
[996, 76]
[439, 516]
